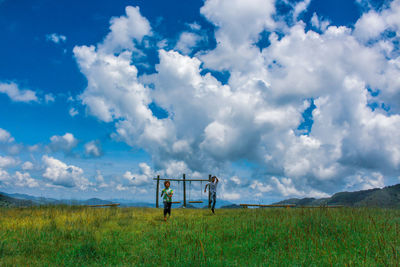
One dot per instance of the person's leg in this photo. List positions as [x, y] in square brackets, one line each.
[165, 210]
[214, 198]
[169, 208]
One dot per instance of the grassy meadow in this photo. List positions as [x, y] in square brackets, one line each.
[80, 236]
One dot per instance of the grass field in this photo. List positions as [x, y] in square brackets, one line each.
[78, 236]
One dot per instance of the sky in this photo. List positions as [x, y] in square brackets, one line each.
[278, 98]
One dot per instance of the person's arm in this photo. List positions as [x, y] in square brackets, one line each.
[172, 192]
[162, 192]
[205, 188]
[216, 180]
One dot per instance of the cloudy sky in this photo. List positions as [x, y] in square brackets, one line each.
[278, 98]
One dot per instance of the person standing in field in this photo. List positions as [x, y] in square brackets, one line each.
[167, 192]
[212, 187]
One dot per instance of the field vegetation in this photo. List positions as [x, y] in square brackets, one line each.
[81, 236]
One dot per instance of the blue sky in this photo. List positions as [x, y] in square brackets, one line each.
[278, 98]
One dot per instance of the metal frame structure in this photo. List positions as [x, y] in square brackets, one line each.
[184, 180]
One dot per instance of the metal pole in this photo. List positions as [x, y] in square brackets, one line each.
[184, 190]
[181, 180]
[209, 192]
[158, 187]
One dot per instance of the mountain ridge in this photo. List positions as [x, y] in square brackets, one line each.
[386, 197]
[18, 200]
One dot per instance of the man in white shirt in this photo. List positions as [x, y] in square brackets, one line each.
[212, 186]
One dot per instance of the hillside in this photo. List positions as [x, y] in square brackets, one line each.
[387, 197]
[6, 201]
[32, 200]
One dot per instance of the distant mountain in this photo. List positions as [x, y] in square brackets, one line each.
[95, 201]
[6, 201]
[232, 206]
[37, 200]
[303, 202]
[387, 197]
[27, 200]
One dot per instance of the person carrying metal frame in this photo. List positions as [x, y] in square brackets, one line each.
[212, 187]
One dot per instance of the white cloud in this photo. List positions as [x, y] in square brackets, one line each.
[236, 180]
[255, 115]
[56, 38]
[18, 179]
[4, 175]
[230, 196]
[263, 188]
[120, 187]
[27, 166]
[143, 178]
[63, 143]
[73, 112]
[24, 180]
[239, 24]
[33, 148]
[15, 149]
[370, 25]
[5, 137]
[100, 180]
[4, 178]
[187, 41]
[8, 161]
[93, 149]
[194, 26]
[319, 23]
[300, 7]
[286, 187]
[16, 94]
[365, 181]
[61, 174]
[125, 30]
[49, 98]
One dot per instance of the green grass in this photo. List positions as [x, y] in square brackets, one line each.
[78, 236]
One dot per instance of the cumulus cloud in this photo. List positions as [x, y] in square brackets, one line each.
[299, 8]
[93, 149]
[144, 176]
[56, 38]
[187, 41]
[27, 166]
[63, 143]
[263, 188]
[372, 24]
[16, 94]
[7, 161]
[255, 115]
[4, 177]
[60, 174]
[5, 137]
[365, 181]
[239, 24]
[125, 30]
[100, 183]
[18, 179]
[24, 180]
[319, 23]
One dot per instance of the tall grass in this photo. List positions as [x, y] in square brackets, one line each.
[78, 236]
